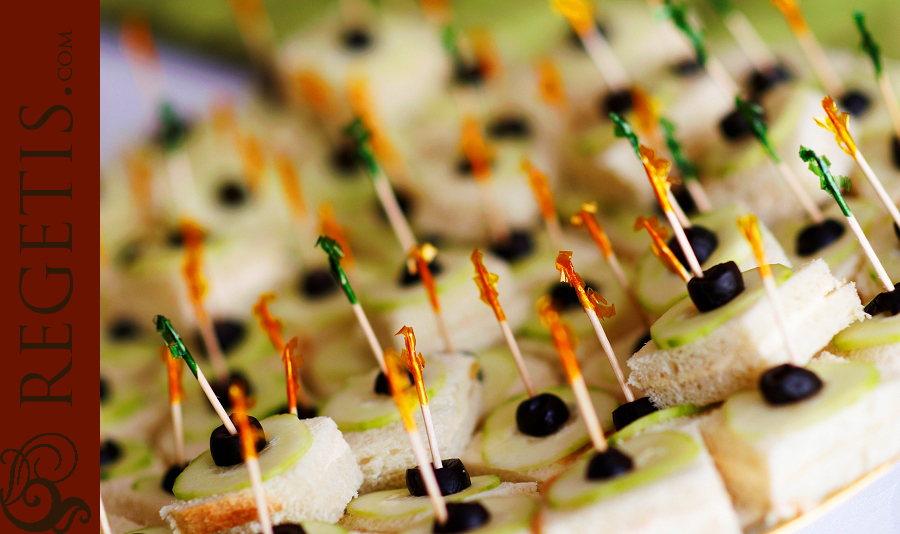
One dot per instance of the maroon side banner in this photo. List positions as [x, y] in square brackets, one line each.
[49, 382]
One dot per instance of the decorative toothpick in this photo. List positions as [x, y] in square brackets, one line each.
[551, 86]
[292, 380]
[871, 48]
[833, 185]
[479, 155]
[487, 289]
[745, 35]
[551, 320]
[585, 218]
[657, 170]
[416, 363]
[686, 167]
[256, 30]
[383, 188]
[179, 351]
[293, 192]
[749, 227]
[836, 123]
[678, 14]
[248, 443]
[192, 236]
[174, 372]
[335, 253]
[140, 180]
[623, 130]
[399, 383]
[104, 519]
[753, 114]
[658, 246]
[420, 257]
[811, 47]
[544, 197]
[595, 306]
[273, 328]
[581, 17]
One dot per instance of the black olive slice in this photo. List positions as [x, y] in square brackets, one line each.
[720, 284]
[817, 236]
[632, 411]
[462, 517]
[608, 464]
[226, 448]
[787, 384]
[452, 478]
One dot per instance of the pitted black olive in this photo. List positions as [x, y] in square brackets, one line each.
[356, 39]
[632, 411]
[509, 127]
[452, 478]
[226, 448]
[761, 82]
[407, 278]
[720, 284]
[734, 127]
[608, 464]
[702, 240]
[123, 329]
[817, 236]
[885, 302]
[517, 246]
[855, 102]
[221, 389]
[168, 480]
[383, 386]
[317, 283]
[787, 384]
[565, 298]
[639, 344]
[541, 415]
[462, 517]
[110, 451]
[232, 194]
[618, 102]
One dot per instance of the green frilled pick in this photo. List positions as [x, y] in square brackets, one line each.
[335, 253]
[172, 128]
[174, 342]
[868, 44]
[624, 130]
[358, 132]
[830, 184]
[686, 166]
[753, 114]
[679, 16]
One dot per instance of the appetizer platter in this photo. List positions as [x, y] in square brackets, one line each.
[428, 279]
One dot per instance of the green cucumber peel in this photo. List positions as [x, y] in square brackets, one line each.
[335, 253]
[174, 342]
[821, 167]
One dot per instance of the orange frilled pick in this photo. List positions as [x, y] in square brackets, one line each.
[476, 149]
[290, 184]
[749, 226]
[239, 412]
[358, 94]
[315, 91]
[645, 111]
[253, 160]
[550, 84]
[660, 249]
[269, 324]
[414, 362]
[590, 299]
[399, 383]
[657, 169]
[577, 12]
[585, 218]
[192, 236]
[792, 14]
[329, 227]
[486, 54]
[421, 257]
[561, 336]
[487, 284]
[138, 38]
[837, 123]
[541, 188]
[174, 373]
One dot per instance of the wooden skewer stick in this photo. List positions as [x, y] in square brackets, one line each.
[248, 442]
[178, 350]
[593, 305]
[399, 384]
[420, 258]
[550, 318]
[585, 218]
[104, 519]
[487, 288]
[749, 227]
[811, 47]
[416, 363]
[581, 17]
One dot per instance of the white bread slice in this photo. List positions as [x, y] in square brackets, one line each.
[384, 454]
[398, 524]
[692, 500]
[137, 499]
[119, 524]
[777, 477]
[817, 306]
[316, 488]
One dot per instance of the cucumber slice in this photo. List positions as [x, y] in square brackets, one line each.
[658, 289]
[683, 324]
[135, 457]
[392, 504]
[656, 455]
[652, 419]
[509, 515]
[748, 415]
[357, 407]
[317, 527]
[289, 439]
[879, 330]
[504, 447]
[148, 484]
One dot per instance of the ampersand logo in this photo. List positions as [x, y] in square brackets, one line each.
[31, 500]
